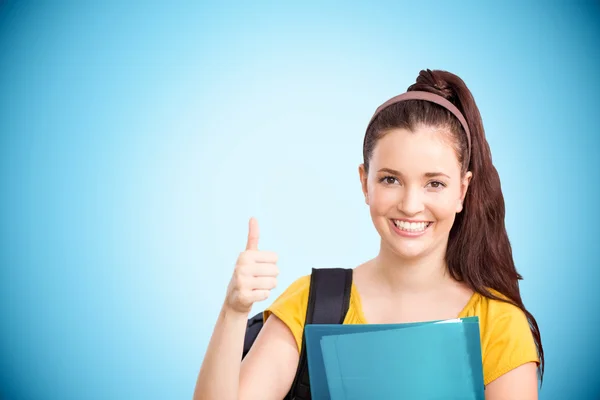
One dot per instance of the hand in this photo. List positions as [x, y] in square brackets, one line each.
[254, 276]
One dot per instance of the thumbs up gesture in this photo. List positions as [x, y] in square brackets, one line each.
[254, 276]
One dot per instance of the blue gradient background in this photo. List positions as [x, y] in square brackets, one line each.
[137, 139]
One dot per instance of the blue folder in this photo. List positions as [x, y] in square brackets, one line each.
[416, 361]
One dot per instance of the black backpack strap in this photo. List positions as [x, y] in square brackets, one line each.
[328, 303]
[253, 327]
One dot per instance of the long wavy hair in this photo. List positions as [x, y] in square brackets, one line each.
[479, 252]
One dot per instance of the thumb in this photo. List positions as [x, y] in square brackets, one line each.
[253, 234]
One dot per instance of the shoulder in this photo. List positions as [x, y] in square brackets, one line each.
[506, 338]
[290, 307]
[500, 312]
[298, 287]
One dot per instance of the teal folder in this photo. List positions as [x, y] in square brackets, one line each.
[429, 360]
[316, 367]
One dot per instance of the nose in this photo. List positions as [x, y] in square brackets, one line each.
[411, 201]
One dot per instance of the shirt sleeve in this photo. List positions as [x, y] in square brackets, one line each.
[508, 343]
[290, 307]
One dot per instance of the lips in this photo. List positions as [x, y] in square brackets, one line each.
[405, 229]
[411, 226]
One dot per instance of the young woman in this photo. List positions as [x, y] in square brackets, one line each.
[435, 200]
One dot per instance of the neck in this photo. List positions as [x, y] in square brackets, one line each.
[415, 275]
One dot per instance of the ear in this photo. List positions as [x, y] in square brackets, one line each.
[363, 181]
[464, 187]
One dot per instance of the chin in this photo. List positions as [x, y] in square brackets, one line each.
[405, 249]
[408, 252]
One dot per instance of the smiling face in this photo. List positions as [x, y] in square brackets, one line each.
[414, 189]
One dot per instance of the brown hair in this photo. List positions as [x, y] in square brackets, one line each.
[479, 252]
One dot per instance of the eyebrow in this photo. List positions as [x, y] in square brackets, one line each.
[427, 174]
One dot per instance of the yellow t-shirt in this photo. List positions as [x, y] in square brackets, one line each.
[506, 339]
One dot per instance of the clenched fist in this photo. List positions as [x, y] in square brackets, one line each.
[254, 276]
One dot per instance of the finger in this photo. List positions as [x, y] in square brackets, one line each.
[252, 270]
[263, 269]
[264, 283]
[259, 256]
[259, 295]
[253, 233]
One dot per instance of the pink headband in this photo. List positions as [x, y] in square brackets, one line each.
[434, 98]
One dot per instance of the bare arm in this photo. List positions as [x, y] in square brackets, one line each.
[520, 383]
[267, 371]
[269, 368]
[219, 374]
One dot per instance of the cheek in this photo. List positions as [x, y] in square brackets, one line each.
[381, 200]
[443, 206]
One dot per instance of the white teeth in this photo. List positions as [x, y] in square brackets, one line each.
[411, 226]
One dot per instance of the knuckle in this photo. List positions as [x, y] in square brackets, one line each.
[268, 256]
[272, 271]
[245, 297]
[238, 275]
[244, 283]
[273, 256]
[243, 257]
[243, 269]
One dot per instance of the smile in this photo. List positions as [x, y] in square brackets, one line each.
[406, 228]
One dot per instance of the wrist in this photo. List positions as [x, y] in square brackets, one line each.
[228, 312]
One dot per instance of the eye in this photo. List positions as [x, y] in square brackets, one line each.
[437, 184]
[388, 179]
